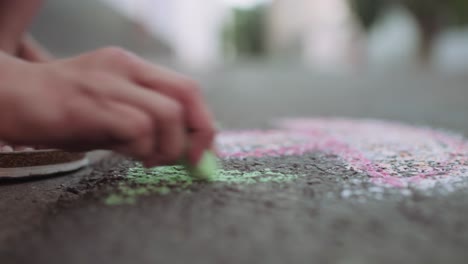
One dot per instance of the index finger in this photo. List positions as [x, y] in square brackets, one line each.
[198, 118]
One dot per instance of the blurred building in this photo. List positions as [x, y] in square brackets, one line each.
[190, 27]
[322, 32]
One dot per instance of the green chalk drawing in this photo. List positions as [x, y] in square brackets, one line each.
[117, 199]
[245, 177]
[162, 180]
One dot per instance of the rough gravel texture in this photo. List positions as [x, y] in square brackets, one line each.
[308, 220]
[262, 223]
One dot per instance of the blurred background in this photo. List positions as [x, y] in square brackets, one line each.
[403, 60]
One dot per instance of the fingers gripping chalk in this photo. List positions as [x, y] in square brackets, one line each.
[206, 168]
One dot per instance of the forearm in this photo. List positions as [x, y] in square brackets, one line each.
[15, 17]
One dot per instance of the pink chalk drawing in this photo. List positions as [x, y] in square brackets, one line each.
[391, 153]
[241, 144]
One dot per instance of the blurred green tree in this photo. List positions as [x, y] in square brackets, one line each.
[244, 34]
[368, 11]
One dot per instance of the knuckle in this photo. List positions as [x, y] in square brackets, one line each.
[143, 148]
[189, 86]
[91, 87]
[174, 154]
[142, 127]
[115, 54]
[113, 51]
[173, 113]
[208, 136]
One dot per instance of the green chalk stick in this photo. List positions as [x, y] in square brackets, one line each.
[206, 168]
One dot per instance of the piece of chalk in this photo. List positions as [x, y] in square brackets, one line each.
[206, 168]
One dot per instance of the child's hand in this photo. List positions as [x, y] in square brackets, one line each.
[109, 99]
